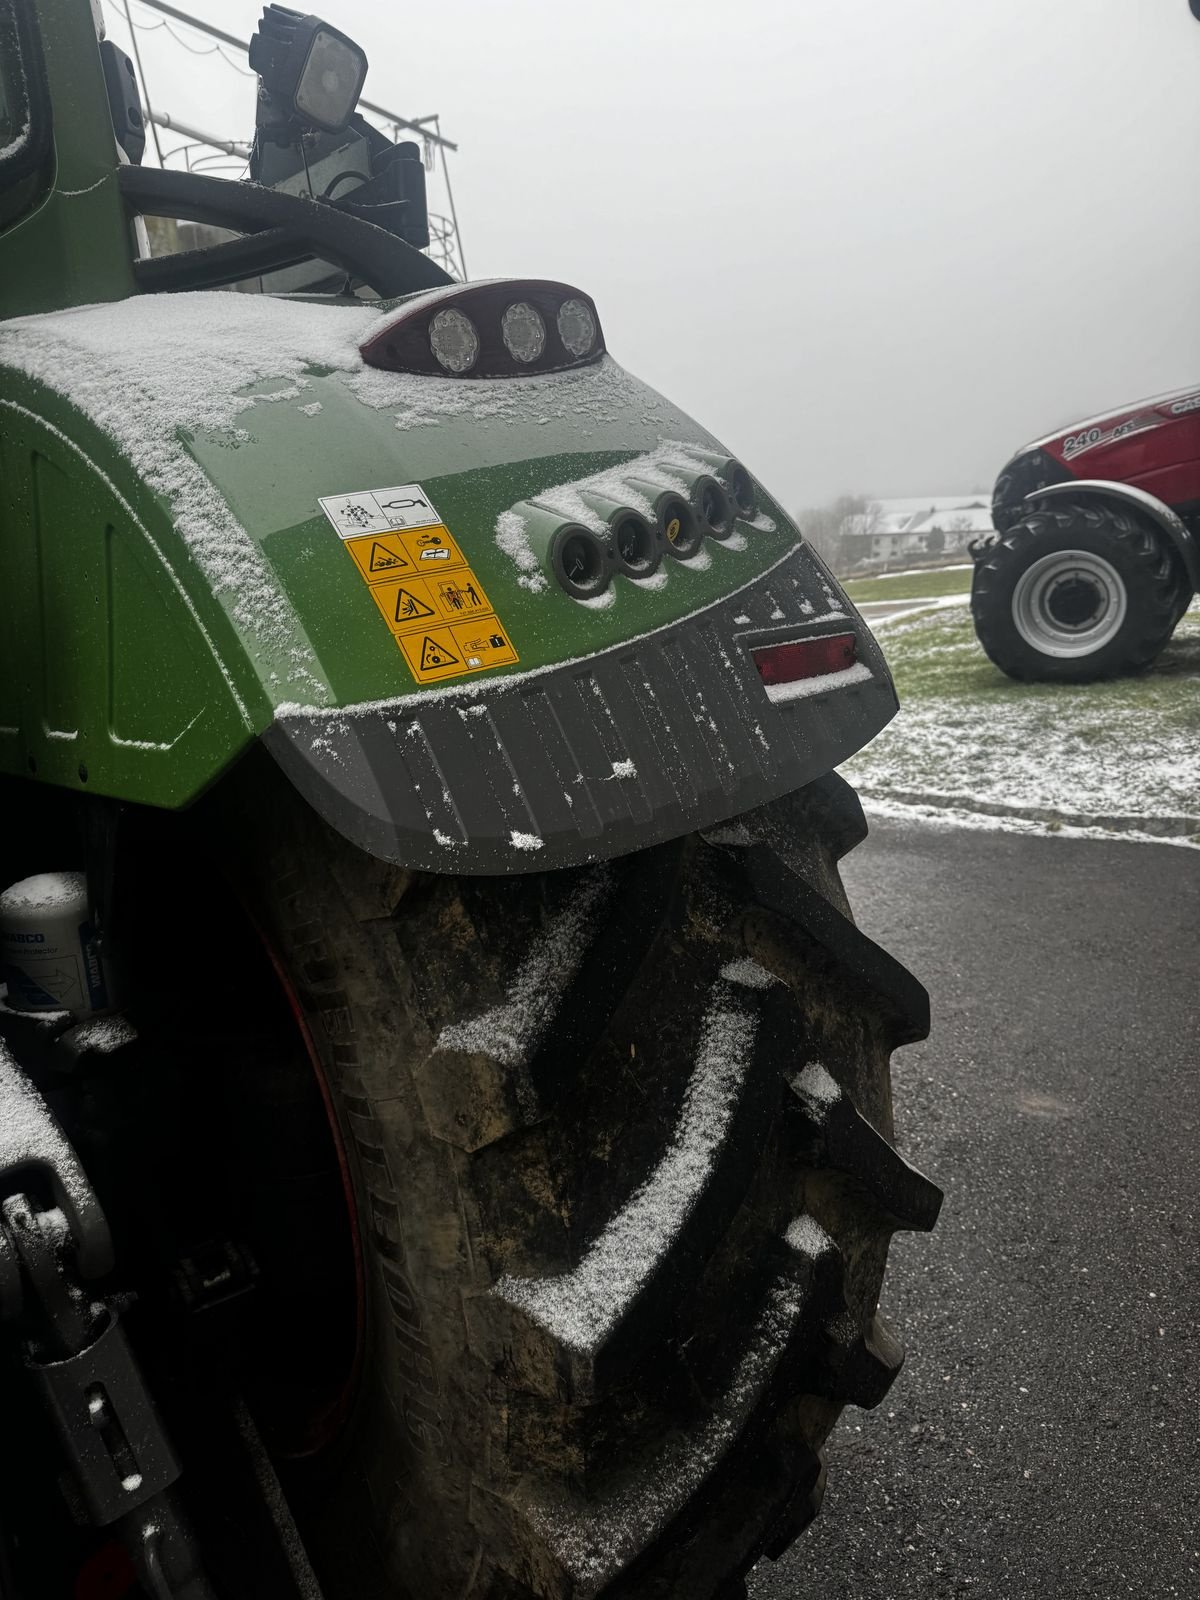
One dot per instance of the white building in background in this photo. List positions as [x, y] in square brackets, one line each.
[917, 528]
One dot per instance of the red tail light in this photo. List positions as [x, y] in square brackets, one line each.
[805, 658]
[490, 330]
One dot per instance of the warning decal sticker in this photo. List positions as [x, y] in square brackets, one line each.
[427, 550]
[434, 655]
[409, 608]
[435, 606]
[407, 600]
[383, 559]
[447, 652]
[379, 558]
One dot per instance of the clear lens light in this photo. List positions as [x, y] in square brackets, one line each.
[524, 332]
[329, 85]
[576, 327]
[453, 340]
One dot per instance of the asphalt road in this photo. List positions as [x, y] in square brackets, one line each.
[1042, 1439]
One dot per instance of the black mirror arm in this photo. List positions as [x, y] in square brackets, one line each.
[214, 266]
[282, 229]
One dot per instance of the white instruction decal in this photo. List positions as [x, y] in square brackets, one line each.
[379, 510]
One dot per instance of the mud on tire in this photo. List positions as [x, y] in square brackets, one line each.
[1155, 589]
[621, 1142]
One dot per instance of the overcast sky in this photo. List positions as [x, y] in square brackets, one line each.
[873, 244]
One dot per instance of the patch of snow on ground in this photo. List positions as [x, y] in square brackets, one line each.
[880, 615]
[911, 572]
[525, 841]
[1066, 758]
[510, 1032]
[581, 1306]
[624, 769]
[948, 816]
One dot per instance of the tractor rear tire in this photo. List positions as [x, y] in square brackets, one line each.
[1076, 592]
[620, 1137]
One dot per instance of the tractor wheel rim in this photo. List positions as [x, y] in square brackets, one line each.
[1071, 603]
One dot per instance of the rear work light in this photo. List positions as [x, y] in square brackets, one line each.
[500, 330]
[805, 658]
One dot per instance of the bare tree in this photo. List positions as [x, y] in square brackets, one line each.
[841, 531]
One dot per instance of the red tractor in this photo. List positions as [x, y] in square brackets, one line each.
[1095, 557]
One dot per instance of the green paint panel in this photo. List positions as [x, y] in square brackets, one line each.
[110, 683]
[273, 478]
[68, 620]
[156, 666]
[75, 246]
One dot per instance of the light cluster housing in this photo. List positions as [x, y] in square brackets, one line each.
[513, 329]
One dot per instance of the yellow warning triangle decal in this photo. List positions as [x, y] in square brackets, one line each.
[434, 654]
[383, 559]
[408, 607]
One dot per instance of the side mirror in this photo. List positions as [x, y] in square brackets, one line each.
[124, 101]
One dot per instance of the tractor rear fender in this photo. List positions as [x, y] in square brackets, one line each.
[224, 527]
[1147, 505]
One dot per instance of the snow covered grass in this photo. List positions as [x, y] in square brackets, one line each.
[1122, 755]
[911, 585]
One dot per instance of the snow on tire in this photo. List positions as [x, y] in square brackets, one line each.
[621, 1149]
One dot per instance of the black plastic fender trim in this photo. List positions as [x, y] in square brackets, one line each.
[652, 739]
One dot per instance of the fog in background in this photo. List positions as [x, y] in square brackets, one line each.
[873, 244]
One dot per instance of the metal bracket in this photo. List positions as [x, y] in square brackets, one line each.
[106, 1422]
[120, 1461]
[32, 1143]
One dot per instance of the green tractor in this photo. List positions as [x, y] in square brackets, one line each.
[444, 1103]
